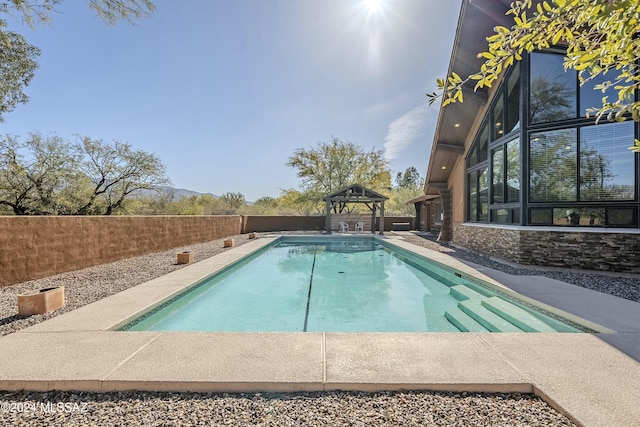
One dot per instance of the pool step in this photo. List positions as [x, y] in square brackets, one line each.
[462, 292]
[519, 317]
[492, 313]
[487, 318]
[463, 321]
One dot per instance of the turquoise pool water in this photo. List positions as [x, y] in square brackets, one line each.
[337, 285]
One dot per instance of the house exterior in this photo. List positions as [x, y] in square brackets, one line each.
[519, 172]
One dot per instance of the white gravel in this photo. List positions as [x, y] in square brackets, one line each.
[297, 409]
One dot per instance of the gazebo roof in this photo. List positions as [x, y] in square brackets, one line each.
[355, 193]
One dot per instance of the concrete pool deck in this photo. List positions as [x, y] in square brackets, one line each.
[593, 378]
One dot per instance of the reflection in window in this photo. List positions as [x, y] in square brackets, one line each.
[478, 197]
[483, 189]
[473, 196]
[497, 161]
[498, 118]
[483, 142]
[501, 216]
[513, 101]
[568, 216]
[541, 216]
[606, 166]
[586, 217]
[513, 171]
[552, 91]
[621, 217]
[472, 160]
[591, 97]
[505, 215]
[572, 216]
[552, 175]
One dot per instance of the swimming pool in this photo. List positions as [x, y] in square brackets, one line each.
[344, 284]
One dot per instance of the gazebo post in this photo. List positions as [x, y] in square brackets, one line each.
[382, 218]
[327, 221]
[373, 217]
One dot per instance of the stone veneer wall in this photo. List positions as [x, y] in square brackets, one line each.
[604, 250]
[32, 247]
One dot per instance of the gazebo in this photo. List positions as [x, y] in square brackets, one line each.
[355, 193]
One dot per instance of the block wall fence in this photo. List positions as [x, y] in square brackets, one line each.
[33, 247]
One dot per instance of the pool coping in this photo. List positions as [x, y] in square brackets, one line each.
[579, 374]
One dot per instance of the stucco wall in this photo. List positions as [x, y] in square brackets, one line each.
[40, 246]
[614, 250]
[265, 223]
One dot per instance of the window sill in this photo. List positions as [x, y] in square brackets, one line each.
[557, 229]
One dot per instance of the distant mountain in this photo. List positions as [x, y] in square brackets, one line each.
[177, 193]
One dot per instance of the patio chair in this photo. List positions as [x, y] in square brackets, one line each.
[344, 227]
[359, 226]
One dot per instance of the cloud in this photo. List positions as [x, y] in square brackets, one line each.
[404, 130]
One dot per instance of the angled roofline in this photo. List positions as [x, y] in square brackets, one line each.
[476, 21]
[365, 193]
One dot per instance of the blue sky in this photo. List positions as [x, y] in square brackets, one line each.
[224, 91]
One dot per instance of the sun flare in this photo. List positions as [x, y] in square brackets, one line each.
[373, 6]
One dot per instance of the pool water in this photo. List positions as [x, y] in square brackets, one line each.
[333, 285]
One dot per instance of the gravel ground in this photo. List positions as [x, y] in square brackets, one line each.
[330, 408]
[262, 409]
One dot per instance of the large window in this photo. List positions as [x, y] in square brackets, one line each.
[606, 165]
[505, 167]
[555, 94]
[553, 170]
[493, 163]
[505, 183]
[512, 190]
[513, 101]
[577, 172]
[600, 163]
[552, 91]
[497, 167]
[478, 195]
